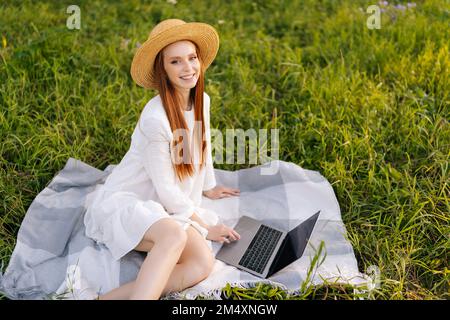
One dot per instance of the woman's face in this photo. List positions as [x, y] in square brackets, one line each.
[181, 64]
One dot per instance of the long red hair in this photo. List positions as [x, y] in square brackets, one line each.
[174, 111]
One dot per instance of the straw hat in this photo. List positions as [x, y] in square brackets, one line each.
[165, 33]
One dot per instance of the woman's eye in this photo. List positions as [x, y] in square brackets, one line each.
[175, 61]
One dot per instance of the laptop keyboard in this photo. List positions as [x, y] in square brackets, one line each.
[258, 253]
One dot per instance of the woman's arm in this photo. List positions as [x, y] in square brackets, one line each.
[210, 187]
[157, 163]
[220, 232]
[210, 180]
[197, 219]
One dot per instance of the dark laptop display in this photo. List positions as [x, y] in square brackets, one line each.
[264, 250]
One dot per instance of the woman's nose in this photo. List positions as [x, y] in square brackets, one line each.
[187, 66]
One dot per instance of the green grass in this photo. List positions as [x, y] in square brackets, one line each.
[369, 109]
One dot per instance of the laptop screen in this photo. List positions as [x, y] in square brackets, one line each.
[294, 244]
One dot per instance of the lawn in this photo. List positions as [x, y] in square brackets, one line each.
[367, 108]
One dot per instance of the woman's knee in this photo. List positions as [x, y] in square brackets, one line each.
[167, 232]
[202, 264]
[203, 269]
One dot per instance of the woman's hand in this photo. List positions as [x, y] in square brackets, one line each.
[221, 233]
[219, 192]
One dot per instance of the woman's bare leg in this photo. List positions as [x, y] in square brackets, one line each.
[168, 240]
[179, 280]
[194, 265]
[121, 293]
[154, 272]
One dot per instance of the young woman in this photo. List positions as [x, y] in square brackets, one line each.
[150, 201]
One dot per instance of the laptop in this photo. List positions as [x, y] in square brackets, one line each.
[263, 250]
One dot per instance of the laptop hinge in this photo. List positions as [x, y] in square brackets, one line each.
[274, 265]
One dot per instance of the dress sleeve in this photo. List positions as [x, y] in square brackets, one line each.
[157, 162]
[210, 179]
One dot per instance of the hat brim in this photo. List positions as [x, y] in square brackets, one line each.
[202, 34]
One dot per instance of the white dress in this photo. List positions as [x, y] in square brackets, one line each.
[143, 187]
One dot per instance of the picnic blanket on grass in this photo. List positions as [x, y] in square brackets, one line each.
[53, 258]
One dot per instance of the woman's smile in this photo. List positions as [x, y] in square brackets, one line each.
[188, 77]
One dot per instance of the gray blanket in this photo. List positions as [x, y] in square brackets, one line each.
[54, 259]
